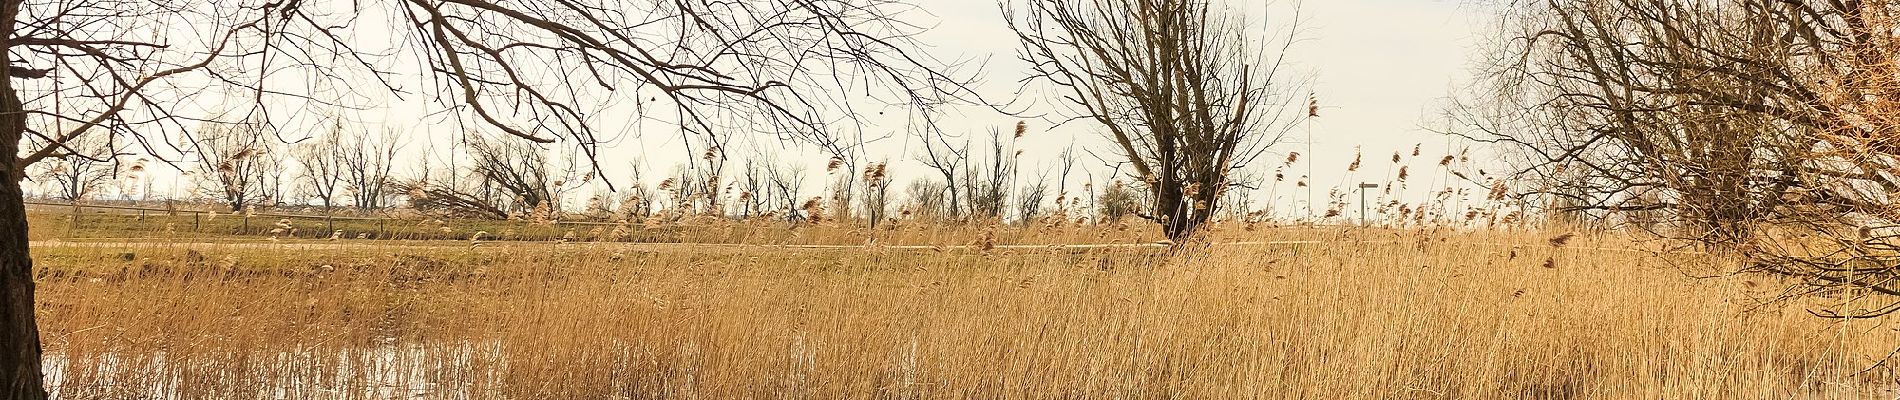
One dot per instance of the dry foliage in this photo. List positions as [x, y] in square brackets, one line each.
[1370, 314]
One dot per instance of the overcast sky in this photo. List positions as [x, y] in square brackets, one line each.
[1379, 69]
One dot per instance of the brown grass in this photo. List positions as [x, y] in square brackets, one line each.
[1365, 315]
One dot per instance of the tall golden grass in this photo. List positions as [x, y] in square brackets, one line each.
[1366, 314]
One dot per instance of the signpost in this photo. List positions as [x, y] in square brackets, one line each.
[1362, 200]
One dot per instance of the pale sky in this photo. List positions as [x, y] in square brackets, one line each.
[1378, 68]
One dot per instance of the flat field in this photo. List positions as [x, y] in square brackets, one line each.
[1314, 313]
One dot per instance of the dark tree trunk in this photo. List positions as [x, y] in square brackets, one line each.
[19, 334]
[1181, 220]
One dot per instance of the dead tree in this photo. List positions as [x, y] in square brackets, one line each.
[987, 182]
[1029, 199]
[947, 159]
[1185, 92]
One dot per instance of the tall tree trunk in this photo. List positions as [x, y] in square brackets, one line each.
[1170, 209]
[19, 334]
[1182, 220]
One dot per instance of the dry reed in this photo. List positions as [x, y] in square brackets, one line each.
[1367, 314]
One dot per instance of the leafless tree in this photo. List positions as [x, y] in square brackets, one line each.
[1701, 109]
[273, 183]
[367, 162]
[692, 191]
[785, 181]
[504, 178]
[1748, 125]
[987, 182]
[77, 174]
[1064, 167]
[636, 203]
[322, 160]
[841, 170]
[745, 202]
[1185, 91]
[234, 162]
[927, 199]
[1029, 199]
[947, 159]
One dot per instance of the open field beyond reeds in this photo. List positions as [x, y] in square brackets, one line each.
[1363, 314]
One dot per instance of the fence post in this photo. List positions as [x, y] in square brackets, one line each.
[380, 235]
[195, 216]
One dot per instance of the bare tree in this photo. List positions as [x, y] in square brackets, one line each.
[322, 162]
[926, 199]
[233, 159]
[1029, 199]
[692, 191]
[505, 178]
[948, 160]
[75, 175]
[273, 184]
[1065, 165]
[1701, 109]
[842, 170]
[785, 181]
[367, 162]
[987, 183]
[1184, 90]
[1746, 125]
[637, 203]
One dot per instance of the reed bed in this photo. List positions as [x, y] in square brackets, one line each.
[1364, 314]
